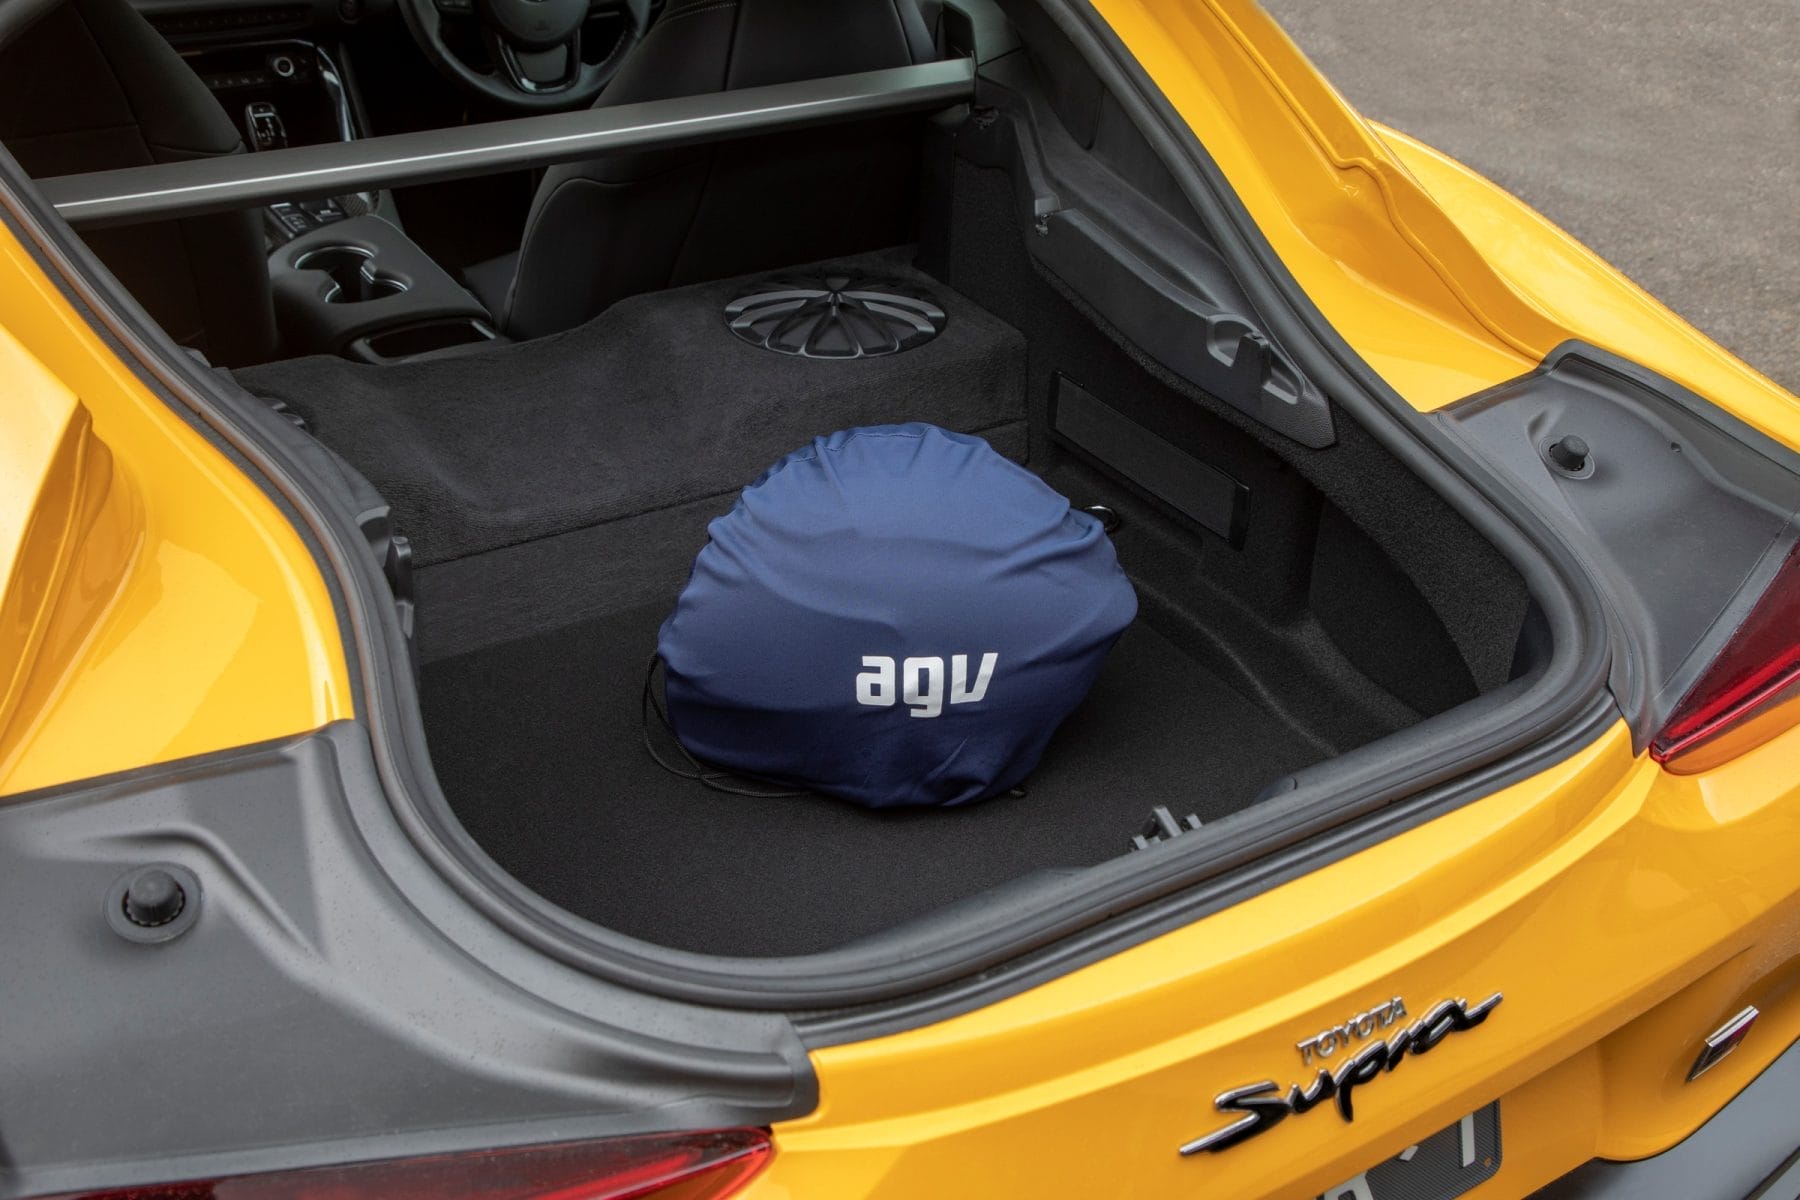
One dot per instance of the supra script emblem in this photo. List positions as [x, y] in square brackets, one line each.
[1264, 1106]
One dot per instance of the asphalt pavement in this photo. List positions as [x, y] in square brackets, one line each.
[1665, 134]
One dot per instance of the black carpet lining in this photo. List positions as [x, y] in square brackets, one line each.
[538, 742]
[534, 656]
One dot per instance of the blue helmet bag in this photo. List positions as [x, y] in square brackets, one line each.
[894, 615]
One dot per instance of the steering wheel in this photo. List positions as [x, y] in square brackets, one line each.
[535, 45]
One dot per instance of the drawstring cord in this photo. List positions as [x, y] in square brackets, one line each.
[712, 777]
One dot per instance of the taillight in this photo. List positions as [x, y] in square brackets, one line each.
[687, 1166]
[1750, 693]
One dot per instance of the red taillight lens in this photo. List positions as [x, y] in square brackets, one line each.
[687, 1166]
[1750, 693]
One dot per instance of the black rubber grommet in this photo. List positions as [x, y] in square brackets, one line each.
[153, 903]
[153, 898]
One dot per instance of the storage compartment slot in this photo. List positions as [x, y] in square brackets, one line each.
[415, 340]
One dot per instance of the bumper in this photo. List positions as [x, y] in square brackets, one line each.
[1748, 1149]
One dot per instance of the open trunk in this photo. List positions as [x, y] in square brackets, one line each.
[1296, 600]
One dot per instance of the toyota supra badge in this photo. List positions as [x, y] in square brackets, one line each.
[1263, 1106]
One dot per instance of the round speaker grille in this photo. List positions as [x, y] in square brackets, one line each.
[835, 316]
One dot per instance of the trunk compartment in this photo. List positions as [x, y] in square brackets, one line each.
[1247, 662]
[556, 492]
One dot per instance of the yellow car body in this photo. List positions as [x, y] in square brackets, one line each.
[158, 605]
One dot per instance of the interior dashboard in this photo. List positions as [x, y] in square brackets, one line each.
[306, 72]
[185, 22]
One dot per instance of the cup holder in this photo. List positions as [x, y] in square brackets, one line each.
[353, 274]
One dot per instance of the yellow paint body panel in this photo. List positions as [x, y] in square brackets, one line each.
[154, 603]
[1623, 911]
[1442, 282]
[1589, 297]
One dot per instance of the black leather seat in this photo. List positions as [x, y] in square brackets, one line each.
[612, 227]
[91, 86]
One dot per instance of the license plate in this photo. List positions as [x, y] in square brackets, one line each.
[1443, 1166]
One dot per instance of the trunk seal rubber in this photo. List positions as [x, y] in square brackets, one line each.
[1569, 704]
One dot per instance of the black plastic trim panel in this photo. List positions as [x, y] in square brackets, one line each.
[1149, 272]
[1745, 1151]
[334, 999]
[310, 313]
[1682, 512]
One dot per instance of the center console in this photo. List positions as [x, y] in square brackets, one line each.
[346, 279]
[284, 92]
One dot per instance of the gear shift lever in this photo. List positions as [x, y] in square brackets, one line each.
[264, 126]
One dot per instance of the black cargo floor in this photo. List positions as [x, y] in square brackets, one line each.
[539, 744]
